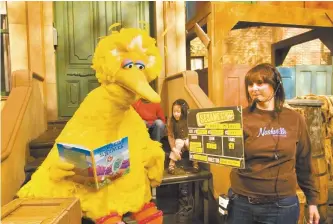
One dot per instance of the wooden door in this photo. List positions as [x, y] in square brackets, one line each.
[288, 80]
[79, 26]
[234, 85]
[315, 79]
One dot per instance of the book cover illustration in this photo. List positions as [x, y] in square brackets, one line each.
[100, 166]
[112, 161]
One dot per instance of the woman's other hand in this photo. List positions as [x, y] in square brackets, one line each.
[313, 215]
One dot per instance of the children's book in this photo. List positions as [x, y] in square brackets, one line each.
[99, 167]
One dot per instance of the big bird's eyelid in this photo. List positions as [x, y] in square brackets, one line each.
[128, 65]
[139, 63]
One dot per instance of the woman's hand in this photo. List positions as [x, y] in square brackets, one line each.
[177, 153]
[313, 215]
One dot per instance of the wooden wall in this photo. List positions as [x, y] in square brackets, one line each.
[193, 8]
[23, 118]
[301, 4]
[170, 37]
[31, 45]
[218, 31]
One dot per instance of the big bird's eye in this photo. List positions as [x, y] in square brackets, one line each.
[128, 65]
[140, 65]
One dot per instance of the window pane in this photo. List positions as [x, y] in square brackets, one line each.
[196, 63]
[5, 54]
[321, 84]
[304, 84]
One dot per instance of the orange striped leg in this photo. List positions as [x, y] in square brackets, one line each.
[149, 214]
[112, 218]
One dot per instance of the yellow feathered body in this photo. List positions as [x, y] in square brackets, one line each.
[91, 126]
[104, 116]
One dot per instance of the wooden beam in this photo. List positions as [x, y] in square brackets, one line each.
[279, 55]
[244, 25]
[202, 35]
[188, 55]
[204, 12]
[329, 18]
[218, 30]
[159, 29]
[170, 45]
[192, 35]
[326, 36]
[181, 36]
[298, 39]
[275, 14]
[200, 18]
[174, 38]
[281, 48]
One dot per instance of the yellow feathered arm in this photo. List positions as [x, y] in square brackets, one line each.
[153, 159]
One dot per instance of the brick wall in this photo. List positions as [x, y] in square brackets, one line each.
[248, 46]
[253, 45]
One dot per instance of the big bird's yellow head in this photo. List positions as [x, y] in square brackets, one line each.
[126, 61]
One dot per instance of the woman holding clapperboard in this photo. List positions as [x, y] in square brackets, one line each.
[277, 153]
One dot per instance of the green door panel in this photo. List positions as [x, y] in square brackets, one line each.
[80, 33]
[73, 89]
[128, 13]
[79, 26]
[107, 15]
[138, 10]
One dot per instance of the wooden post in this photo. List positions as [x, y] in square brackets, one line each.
[314, 121]
[171, 37]
[202, 35]
[311, 109]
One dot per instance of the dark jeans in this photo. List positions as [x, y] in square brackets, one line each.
[284, 211]
[156, 130]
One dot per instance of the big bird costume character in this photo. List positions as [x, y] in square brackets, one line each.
[125, 63]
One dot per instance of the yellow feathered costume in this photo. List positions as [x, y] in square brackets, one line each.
[125, 63]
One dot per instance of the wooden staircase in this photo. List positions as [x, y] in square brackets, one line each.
[41, 146]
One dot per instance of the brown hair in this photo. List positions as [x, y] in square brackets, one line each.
[266, 73]
[183, 108]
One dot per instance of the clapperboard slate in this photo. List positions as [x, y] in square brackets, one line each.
[216, 136]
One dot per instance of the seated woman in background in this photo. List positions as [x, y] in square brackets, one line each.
[178, 134]
[152, 114]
